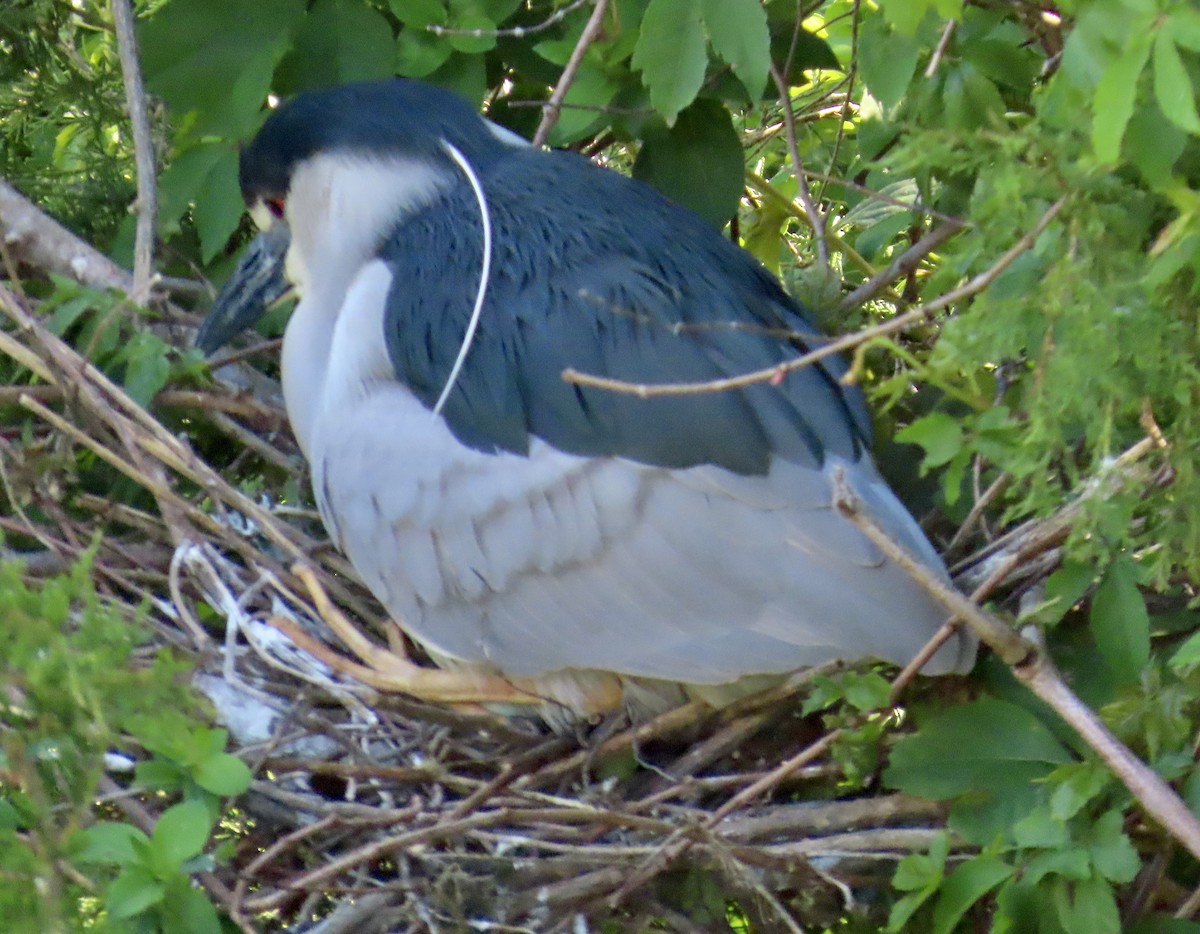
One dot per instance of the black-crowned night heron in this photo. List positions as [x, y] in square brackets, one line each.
[576, 544]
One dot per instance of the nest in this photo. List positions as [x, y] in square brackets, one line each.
[372, 812]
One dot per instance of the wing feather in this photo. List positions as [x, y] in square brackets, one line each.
[540, 526]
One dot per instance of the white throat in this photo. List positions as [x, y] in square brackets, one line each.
[341, 207]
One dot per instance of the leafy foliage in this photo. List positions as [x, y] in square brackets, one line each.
[73, 694]
[1078, 121]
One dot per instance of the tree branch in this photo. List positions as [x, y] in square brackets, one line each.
[143, 149]
[553, 107]
[815, 218]
[1030, 663]
[38, 240]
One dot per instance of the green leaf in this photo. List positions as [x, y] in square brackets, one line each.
[188, 910]
[964, 887]
[339, 41]
[1111, 851]
[420, 53]
[738, 32]
[1112, 105]
[132, 892]
[147, 369]
[219, 205]
[1039, 830]
[1068, 584]
[887, 60]
[180, 834]
[1070, 863]
[1092, 909]
[697, 162]
[969, 98]
[1120, 623]
[920, 875]
[1154, 144]
[867, 691]
[1183, 25]
[195, 52]
[907, 15]
[1077, 785]
[671, 54]
[419, 13]
[1188, 653]
[1172, 84]
[923, 870]
[158, 774]
[989, 744]
[223, 774]
[940, 434]
[110, 843]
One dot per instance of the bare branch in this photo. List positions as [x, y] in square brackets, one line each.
[554, 106]
[38, 240]
[902, 265]
[943, 41]
[143, 148]
[513, 32]
[1029, 662]
[815, 217]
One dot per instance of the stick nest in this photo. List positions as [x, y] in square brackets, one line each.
[373, 812]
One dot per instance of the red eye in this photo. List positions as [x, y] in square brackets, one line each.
[275, 206]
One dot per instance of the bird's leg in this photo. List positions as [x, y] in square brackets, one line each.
[391, 671]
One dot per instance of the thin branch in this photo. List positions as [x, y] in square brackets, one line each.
[902, 265]
[769, 191]
[915, 206]
[143, 149]
[554, 106]
[513, 32]
[815, 217]
[846, 342]
[943, 43]
[848, 105]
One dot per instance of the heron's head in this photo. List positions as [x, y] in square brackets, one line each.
[331, 174]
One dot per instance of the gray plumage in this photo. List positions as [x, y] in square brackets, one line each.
[536, 527]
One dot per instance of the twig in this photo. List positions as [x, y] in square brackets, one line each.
[676, 845]
[372, 851]
[846, 342]
[553, 107]
[815, 218]
[143, 150]
[849, 106]
[998, 486]
[514, 32]
[905, 263]
[1030, 663]
[943, 42]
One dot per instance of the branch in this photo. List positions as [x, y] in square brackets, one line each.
[1031, 664]
[554, 106]
[776, 373]
[905, 263]
[143, 150]
[38, 240]
[815, 218]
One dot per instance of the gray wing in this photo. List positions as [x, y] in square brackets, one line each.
[552, 561]
[539, 527]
